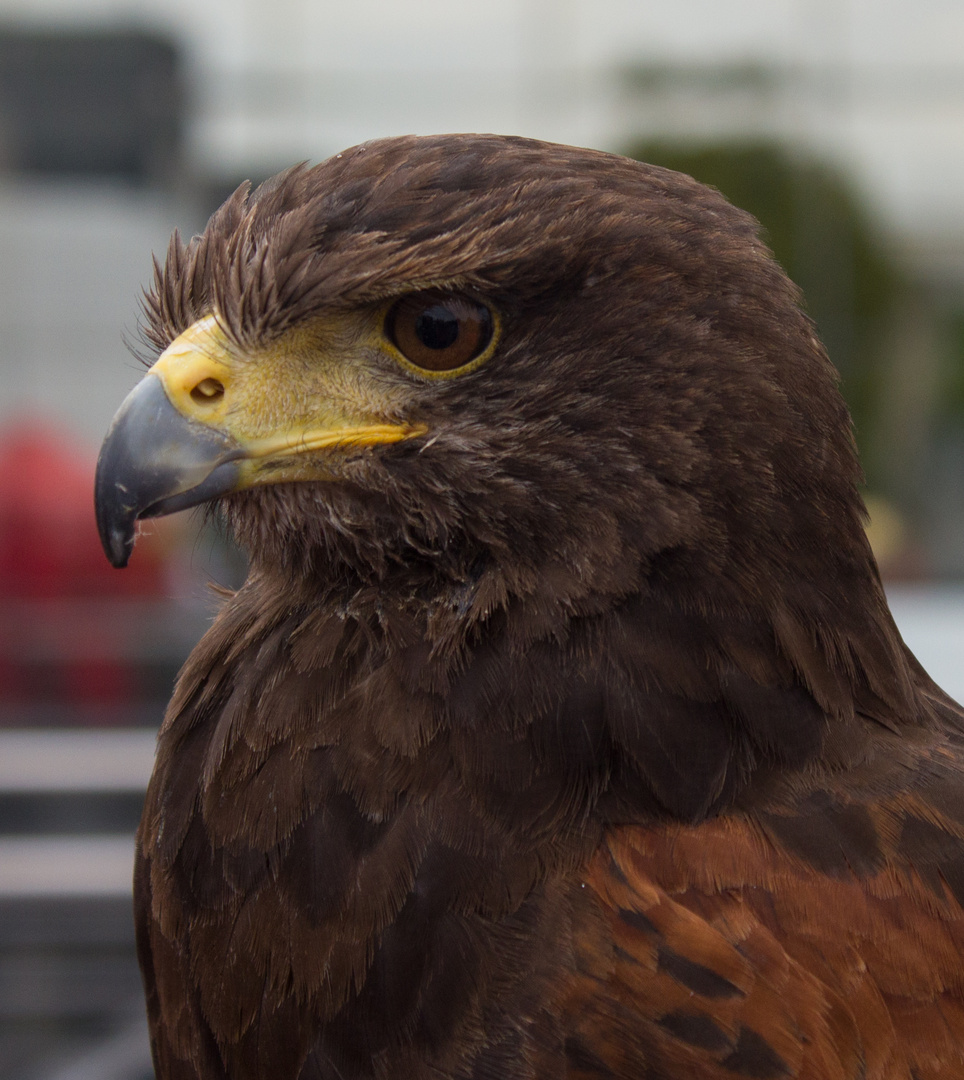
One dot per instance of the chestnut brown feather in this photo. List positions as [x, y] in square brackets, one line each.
[573, 737]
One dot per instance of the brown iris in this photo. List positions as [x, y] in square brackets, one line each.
[439, 331]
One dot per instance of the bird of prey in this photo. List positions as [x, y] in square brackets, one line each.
[560, 728]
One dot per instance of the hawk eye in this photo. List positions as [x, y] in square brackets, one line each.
[439, 331]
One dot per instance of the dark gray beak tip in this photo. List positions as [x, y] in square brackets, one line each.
[115, 522]
[118, 545]
[116, 516]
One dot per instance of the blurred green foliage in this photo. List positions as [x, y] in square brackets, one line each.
[951, 397]
[819, 230]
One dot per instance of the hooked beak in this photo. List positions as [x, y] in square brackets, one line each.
[154, 461]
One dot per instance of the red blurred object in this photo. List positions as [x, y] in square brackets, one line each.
[48, 538]
[50, 550]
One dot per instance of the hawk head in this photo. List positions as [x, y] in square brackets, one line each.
[490, 375]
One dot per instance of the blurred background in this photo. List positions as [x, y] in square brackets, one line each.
[839, 123]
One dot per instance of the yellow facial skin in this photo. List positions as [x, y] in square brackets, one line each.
[211, 418]
[308, 390]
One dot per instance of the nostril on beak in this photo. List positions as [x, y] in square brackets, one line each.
[208, 392]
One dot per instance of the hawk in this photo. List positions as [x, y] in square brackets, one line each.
[560, 728]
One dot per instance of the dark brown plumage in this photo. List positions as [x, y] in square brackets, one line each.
[561, 728]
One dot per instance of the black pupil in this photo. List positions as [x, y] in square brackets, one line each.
[436, 327]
